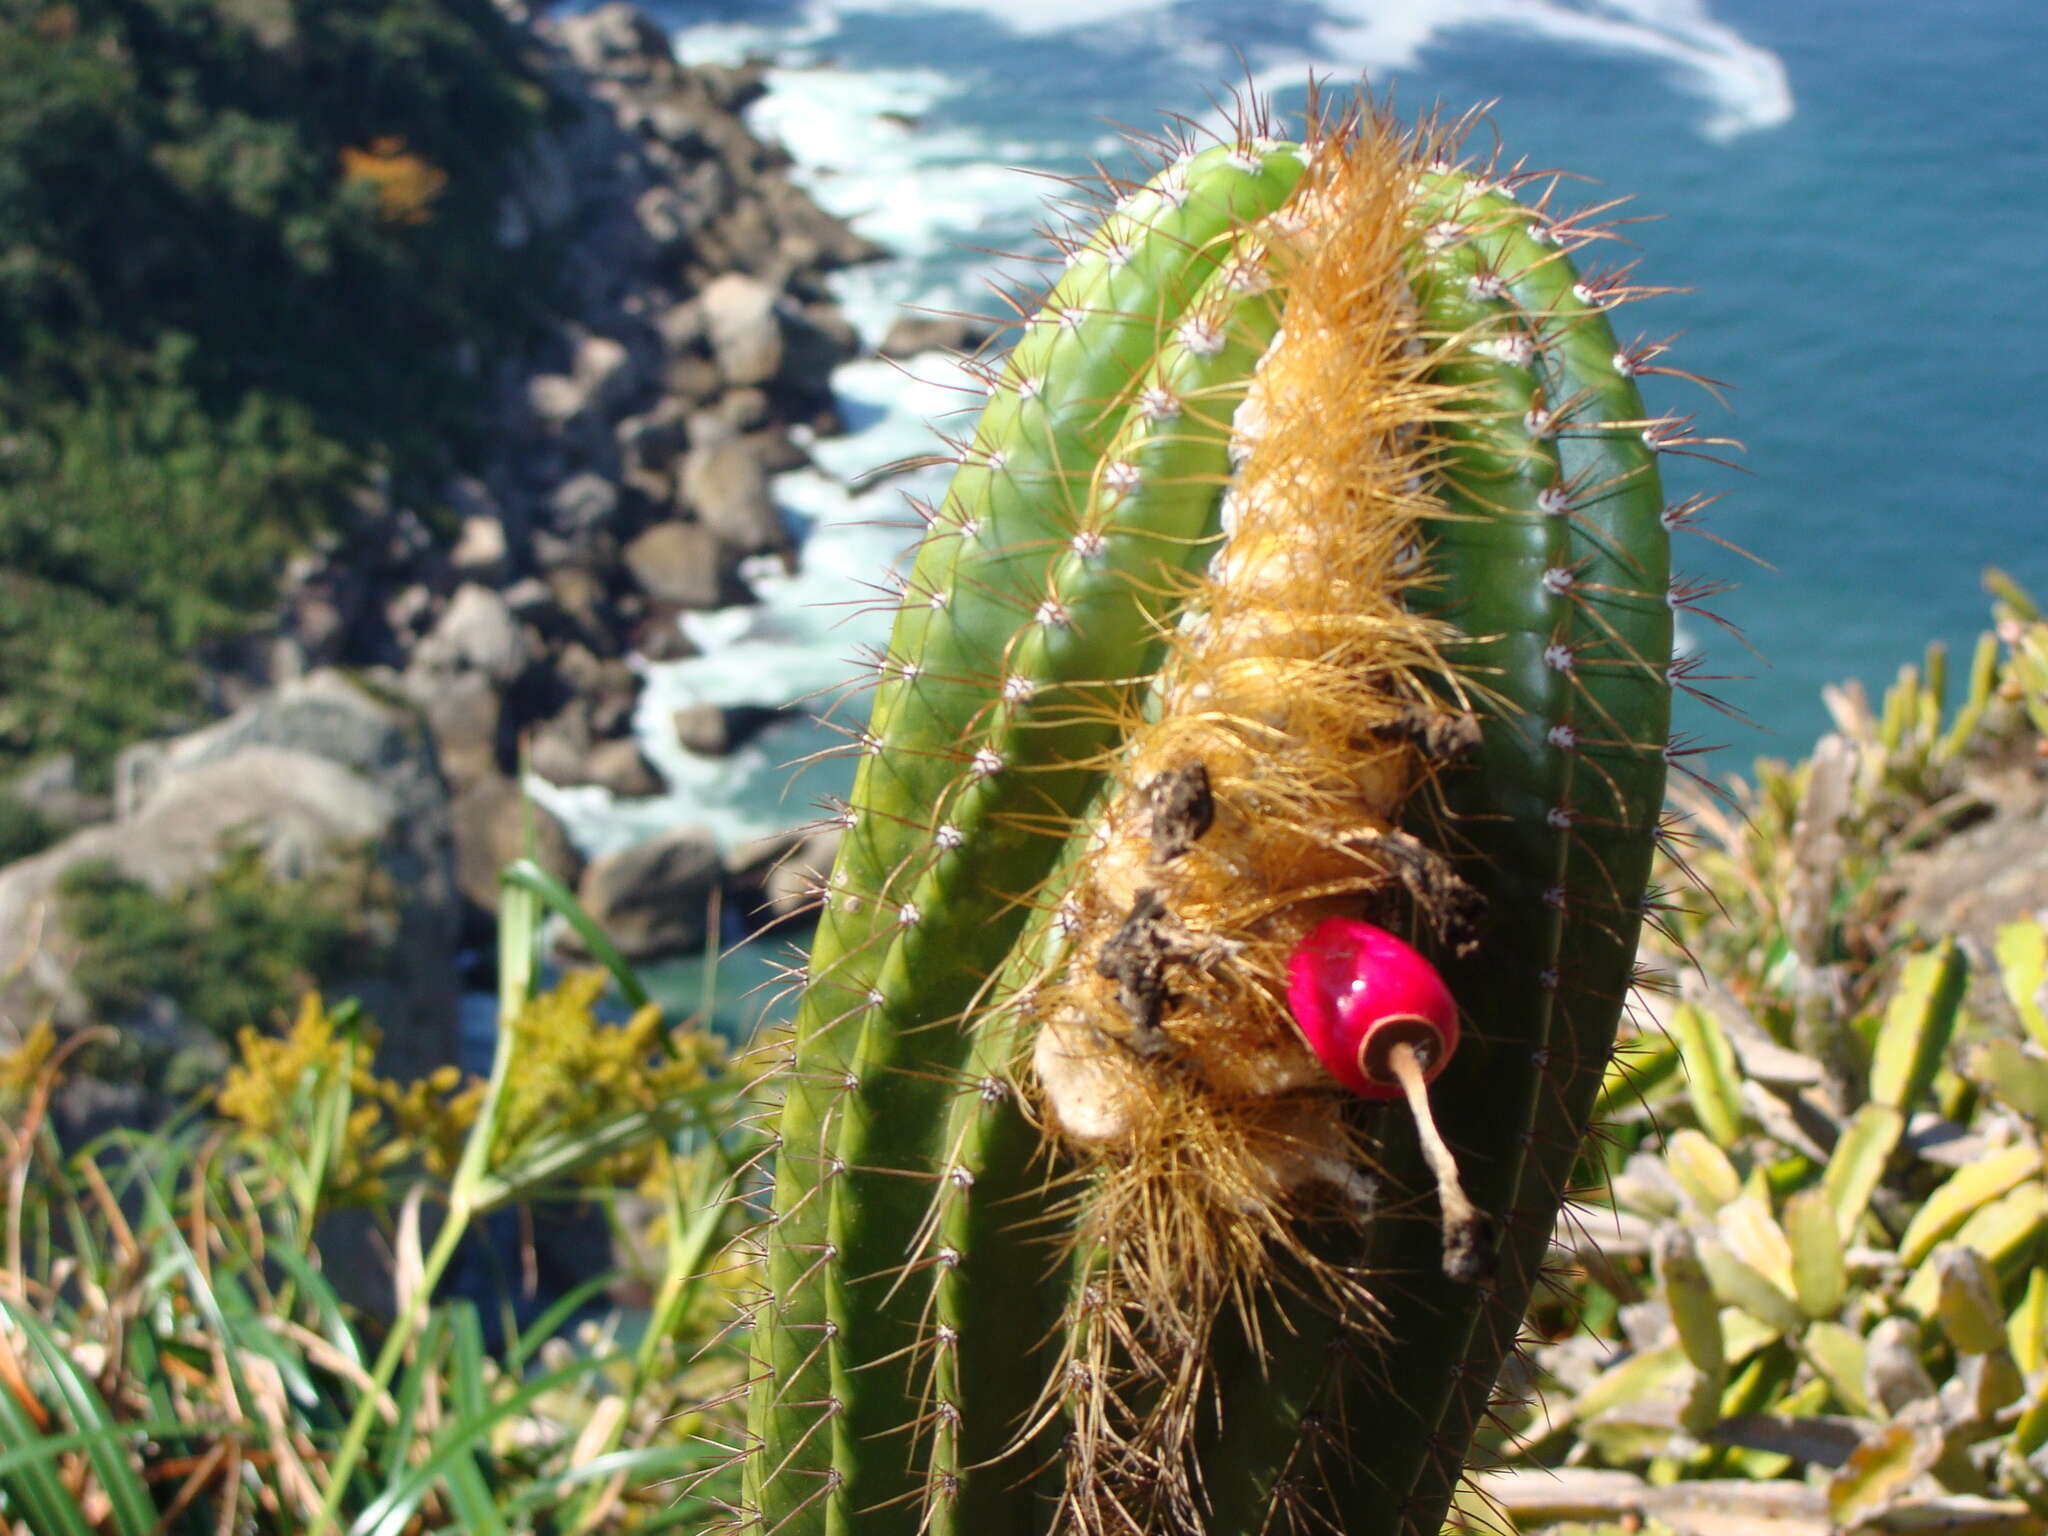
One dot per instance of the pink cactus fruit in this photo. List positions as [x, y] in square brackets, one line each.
[1357, 991]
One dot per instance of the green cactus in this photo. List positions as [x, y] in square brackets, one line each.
[957, 1274]
[1566, 596]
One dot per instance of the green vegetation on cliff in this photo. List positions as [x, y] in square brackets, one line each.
[247, 265]
[235, 950]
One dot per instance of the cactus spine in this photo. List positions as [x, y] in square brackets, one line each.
[1308, 560]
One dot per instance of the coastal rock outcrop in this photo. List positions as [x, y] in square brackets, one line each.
[445, 645]
[631, 449]
[320, 776]
[654, 899]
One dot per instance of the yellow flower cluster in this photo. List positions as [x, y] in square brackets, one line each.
[570, 1070]
[273, 1095]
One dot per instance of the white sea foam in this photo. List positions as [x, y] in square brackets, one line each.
[799, 642]
[1744, 86]
[921, 191]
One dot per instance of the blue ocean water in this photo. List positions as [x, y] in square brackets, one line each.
[1856, 194]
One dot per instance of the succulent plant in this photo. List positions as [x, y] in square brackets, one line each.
[1308, 566]
[1854, 1291]
[1809, 1284]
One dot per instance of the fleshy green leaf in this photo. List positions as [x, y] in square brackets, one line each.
[1969, 1188]
[1819, 1278]
[1917, 1027]
[1857, 1166]
[1713, 1082]
[2022, 950]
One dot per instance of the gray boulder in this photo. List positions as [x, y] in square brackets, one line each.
[744, 329]
[558, 748]
[493, 824]
[654, 899]
[476, 630]
[724, 483]
[621, 767]
[684, 564]
[560, 403]
[576, 407]
[606, 368]
[318, 772]
[567, 751]
[681, 325]
[582, 504]
[580, 596]
[481, 549]
[712, 730]
[462, 710]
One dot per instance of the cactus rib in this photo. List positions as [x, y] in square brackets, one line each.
[943, 854]
[1565, 603]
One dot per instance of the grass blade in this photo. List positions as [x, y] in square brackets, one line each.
[35, 1492]
[526, 876]
[128, 1500]
[388, 1513]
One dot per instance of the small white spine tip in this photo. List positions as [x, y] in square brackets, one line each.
[1158, 403]
[1202, 335]
[1443, 233]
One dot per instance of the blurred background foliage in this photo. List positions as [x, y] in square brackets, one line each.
[248, 267]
